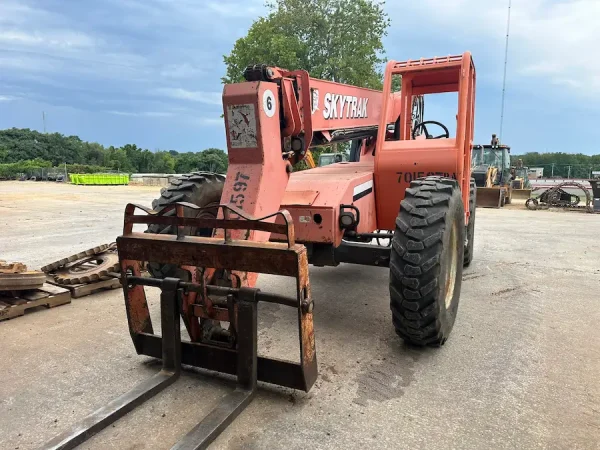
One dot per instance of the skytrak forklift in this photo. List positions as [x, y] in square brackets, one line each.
[209, 236]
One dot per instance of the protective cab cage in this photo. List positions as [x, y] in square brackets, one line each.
[238, 355]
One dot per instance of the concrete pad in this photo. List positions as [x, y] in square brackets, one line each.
[520, 369]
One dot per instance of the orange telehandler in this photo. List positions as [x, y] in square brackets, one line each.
[209, 236]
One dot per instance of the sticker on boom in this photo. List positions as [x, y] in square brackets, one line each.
[241, 125]
[407, 177]
[344, 107]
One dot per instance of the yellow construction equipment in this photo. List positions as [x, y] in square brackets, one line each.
[521, 187]
[490, 167]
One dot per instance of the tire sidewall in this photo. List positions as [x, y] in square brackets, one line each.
[206, 195]
[455, 215]
[470, 228]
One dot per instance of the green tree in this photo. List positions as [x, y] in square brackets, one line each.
[163, 163]
[338, 40]
[187, 162]
[574, 165]
[213, 160]
[25, 150]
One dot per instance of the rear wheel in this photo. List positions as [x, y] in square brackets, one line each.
[202, 189]
[470, 229]
[426, 261]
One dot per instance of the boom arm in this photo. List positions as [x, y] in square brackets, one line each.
[316, 112]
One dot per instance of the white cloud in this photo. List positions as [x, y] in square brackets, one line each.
[210, 121]
[210, 98]
[236, 9]
[15, 12]
[549, 40]
[189, 14]
[50, 39]
[7, 98]
[184, 70]
[142, 113]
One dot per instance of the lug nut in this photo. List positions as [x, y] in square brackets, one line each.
[307, 306]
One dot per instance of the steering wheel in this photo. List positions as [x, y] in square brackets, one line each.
[427, 135]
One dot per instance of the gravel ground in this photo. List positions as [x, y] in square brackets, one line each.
[519, 371]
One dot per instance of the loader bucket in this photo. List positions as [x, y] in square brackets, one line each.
[236, 353]
[521, 194]
[490, 197]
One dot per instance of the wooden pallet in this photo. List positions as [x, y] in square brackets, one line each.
[15, 305]
[81, 290]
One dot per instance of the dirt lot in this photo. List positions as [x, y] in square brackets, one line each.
[519, 371]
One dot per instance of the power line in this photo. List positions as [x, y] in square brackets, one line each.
[504, 78]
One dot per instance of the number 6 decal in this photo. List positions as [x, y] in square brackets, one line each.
[269, 103]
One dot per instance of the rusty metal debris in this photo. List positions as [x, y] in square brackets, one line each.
[78, 256]
[88, 269]
[557, 197]
[89, 266]
[17, 267]
[16, 277]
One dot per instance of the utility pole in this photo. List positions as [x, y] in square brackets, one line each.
[569, 172]
[552, 170]
[504, 78]
[44, 120]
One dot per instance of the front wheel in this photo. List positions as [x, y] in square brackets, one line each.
[426, 261]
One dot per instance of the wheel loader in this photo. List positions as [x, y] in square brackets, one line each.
[520, 184]
[492, 174]
[209, 236]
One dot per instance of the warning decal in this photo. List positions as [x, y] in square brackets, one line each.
[241, 121]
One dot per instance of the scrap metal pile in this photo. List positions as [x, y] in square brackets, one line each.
[558, 197]
[16, 277]
[89, 266]
[55, 284]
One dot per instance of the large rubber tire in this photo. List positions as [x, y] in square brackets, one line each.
[426, 262]
[199, 188]
[471, 226]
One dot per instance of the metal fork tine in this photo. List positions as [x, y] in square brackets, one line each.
[117, 408]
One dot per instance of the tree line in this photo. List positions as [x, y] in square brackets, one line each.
[560, 164]
[23, 151]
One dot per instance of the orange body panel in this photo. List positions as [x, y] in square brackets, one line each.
[394, 160]
[271, 124]
[321, 191]
[257, 176]
[401, 162]
[336, 106]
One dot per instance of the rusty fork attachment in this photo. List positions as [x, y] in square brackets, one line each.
[241, 357]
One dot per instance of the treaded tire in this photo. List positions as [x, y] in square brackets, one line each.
[427, 249]
[471, 225]
[199, 188]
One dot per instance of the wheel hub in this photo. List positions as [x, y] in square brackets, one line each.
[451, 263]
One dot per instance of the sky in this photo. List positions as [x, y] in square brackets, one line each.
[149, 71]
